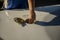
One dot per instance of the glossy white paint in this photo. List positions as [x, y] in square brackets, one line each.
[10, 30]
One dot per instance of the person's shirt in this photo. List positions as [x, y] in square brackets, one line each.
[15, 4]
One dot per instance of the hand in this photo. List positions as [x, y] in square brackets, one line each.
[31, 18]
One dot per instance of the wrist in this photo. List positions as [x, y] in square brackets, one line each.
[31, 11]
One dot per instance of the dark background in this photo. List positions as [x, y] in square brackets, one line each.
[46, 2]
[41, 2]
[1, 4]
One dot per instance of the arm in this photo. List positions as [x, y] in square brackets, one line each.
[31, 4]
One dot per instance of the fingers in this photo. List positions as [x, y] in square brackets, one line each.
[30, 21]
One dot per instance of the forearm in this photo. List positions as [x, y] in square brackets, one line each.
[31, 4]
